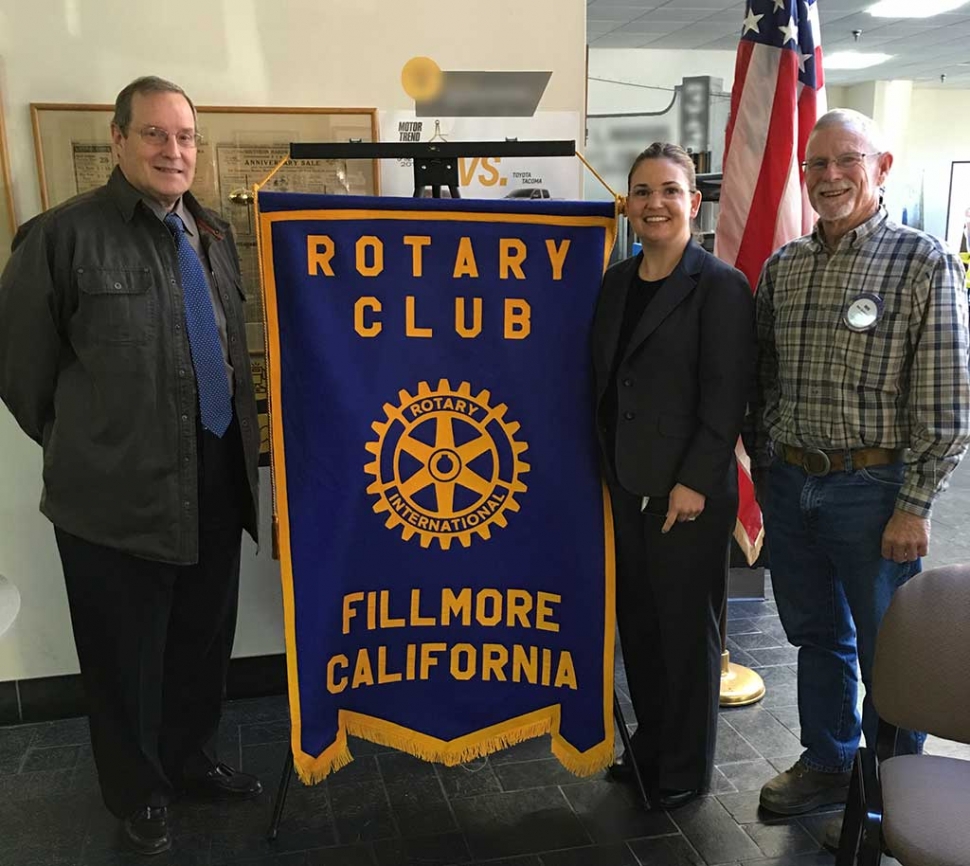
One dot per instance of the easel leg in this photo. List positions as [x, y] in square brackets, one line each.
[284, 786]
[628, 749]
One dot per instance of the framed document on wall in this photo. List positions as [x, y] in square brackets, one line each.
[240, 146]
[8, 221]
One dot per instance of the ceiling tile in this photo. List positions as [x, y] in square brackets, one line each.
[922, 48]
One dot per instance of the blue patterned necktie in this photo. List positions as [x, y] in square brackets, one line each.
[215, 402]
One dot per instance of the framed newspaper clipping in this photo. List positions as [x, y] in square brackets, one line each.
[240, 146]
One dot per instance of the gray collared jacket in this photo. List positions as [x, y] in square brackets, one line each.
[95, 367]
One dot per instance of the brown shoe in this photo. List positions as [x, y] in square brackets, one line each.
[801, 789]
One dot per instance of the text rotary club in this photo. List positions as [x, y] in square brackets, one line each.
[513, 258]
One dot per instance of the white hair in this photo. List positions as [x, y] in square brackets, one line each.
[856, 121]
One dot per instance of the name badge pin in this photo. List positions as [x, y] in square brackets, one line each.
[863, 312]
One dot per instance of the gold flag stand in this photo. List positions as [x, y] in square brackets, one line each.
[740, 686]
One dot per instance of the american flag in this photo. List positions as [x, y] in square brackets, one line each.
[778, 94]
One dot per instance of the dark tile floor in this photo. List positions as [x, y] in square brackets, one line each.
[516, 808]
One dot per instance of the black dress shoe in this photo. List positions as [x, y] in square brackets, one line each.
[146, 830]
[222, 782]
[671, 799]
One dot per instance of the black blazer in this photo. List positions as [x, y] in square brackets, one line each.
[684, 380]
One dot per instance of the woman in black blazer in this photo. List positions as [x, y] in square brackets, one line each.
[673, 352]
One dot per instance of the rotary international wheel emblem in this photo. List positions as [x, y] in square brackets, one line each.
[446, 464]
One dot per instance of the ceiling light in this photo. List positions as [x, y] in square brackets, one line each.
[853, 60]
[911, 9]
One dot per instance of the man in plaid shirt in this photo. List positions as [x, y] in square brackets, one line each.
[862, 414]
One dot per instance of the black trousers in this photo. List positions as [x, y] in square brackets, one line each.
[668, 600]
[154, 641]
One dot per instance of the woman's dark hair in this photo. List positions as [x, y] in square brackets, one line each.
[673, 152]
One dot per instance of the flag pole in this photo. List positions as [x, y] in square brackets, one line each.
[779, 63]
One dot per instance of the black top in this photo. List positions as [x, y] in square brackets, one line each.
[638, 298]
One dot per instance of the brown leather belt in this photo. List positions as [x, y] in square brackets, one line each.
[817, 462]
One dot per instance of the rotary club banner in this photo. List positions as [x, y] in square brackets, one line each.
[445, 541]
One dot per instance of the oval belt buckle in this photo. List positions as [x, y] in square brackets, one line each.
[816, 462]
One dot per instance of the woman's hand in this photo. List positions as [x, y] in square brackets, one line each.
[683, 504]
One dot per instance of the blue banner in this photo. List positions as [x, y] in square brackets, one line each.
[444, 538]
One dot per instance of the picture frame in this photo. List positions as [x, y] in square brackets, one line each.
[958, 205]
[241, 146]
[8, 217]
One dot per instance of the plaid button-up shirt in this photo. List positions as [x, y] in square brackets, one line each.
[902, 384]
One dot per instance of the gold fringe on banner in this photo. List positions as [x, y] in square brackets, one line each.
[449, 752]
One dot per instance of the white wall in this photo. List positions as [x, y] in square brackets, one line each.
[926, 129]
[243, 52]
[938, 134]
[858, 97]
[835, 96]
[656, 73]
[886, 102]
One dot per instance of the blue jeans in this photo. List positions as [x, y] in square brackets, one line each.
[833, 587]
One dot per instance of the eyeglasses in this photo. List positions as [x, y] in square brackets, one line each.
[669, 192]
[158, 137]
[844, 161]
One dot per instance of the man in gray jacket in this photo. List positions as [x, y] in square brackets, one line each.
[123, 355]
